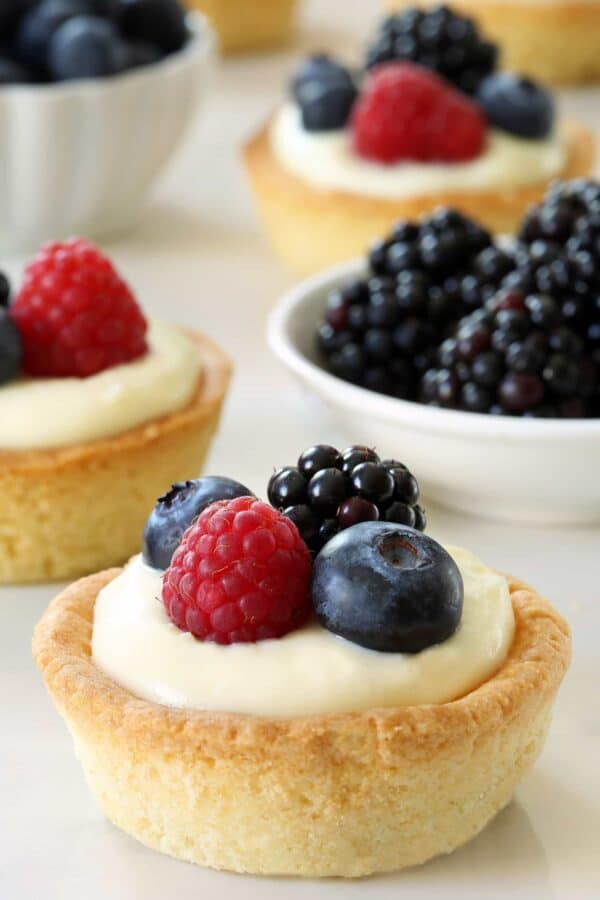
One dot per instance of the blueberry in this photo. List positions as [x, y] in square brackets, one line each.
[387, 587]
[517, 105]
[12, 72]
[177, 509]
[36, 29]
[320, 68]
[287, 487]
[326, 106]
[159, 22]
[10, 347]
[85, 47]
[10, 13]
[325, 93]
[140, 53]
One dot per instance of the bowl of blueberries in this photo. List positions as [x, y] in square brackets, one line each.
[95, 96]
[478, 356]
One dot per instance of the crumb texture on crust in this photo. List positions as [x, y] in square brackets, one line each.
[551, 40]
[70, 511]
[311, 229]
[242, 26]
[336, 795]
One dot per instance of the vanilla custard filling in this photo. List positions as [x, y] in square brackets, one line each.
[309, 671]
[43, 413]
[326, 161]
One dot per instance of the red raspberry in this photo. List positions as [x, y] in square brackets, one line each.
[405, 112]
[240, 574]
[75, 314]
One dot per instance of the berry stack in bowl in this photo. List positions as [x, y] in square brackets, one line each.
[228, 676]
[426, 120]
[65, 63]
[96, 404]
[61, 40]
[444, 319]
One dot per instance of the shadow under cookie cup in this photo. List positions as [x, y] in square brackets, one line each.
[310, 228]
[70, 511]
[331, 795]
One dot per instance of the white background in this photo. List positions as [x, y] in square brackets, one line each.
[199, 259]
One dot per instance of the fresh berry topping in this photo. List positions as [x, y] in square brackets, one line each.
[4, 290]
[407, 113]
[322, 456]
[319, 67]
[382, 331]
[176, 510]
[158, 22]
[10, 347]
[388, 588]
[325, 93]
[287, 487]
[12, 72]
[75, 314]
[35, 30]
[517, 105]
[445, 317]
[328, 491]
[508, 358]
[439, 40]
[240, 574]
[85, 47]
[374, 482]
[53, 40]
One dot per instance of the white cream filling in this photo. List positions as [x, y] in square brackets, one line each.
[326, 161]
[42, 413]
[309, 671]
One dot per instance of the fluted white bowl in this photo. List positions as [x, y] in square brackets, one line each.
[543, 471]
[78, 157]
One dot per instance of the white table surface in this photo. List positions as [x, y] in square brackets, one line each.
[199, 259]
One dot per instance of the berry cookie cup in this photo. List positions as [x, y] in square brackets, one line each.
[97, 406]
[261, 708]
[423, 125]
[555, 40]
[243, 26]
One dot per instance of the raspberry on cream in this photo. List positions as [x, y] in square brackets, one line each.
[326, 161]
[307, 672]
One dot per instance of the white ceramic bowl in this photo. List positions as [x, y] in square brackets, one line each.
[77, 157]
[545, 471]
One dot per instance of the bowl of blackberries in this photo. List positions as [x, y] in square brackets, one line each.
[95, 96]
[478, 356]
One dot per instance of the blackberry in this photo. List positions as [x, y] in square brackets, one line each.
[328, 491]
[510, 358]
[381, 332]
[438, 39]
[559, 253]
